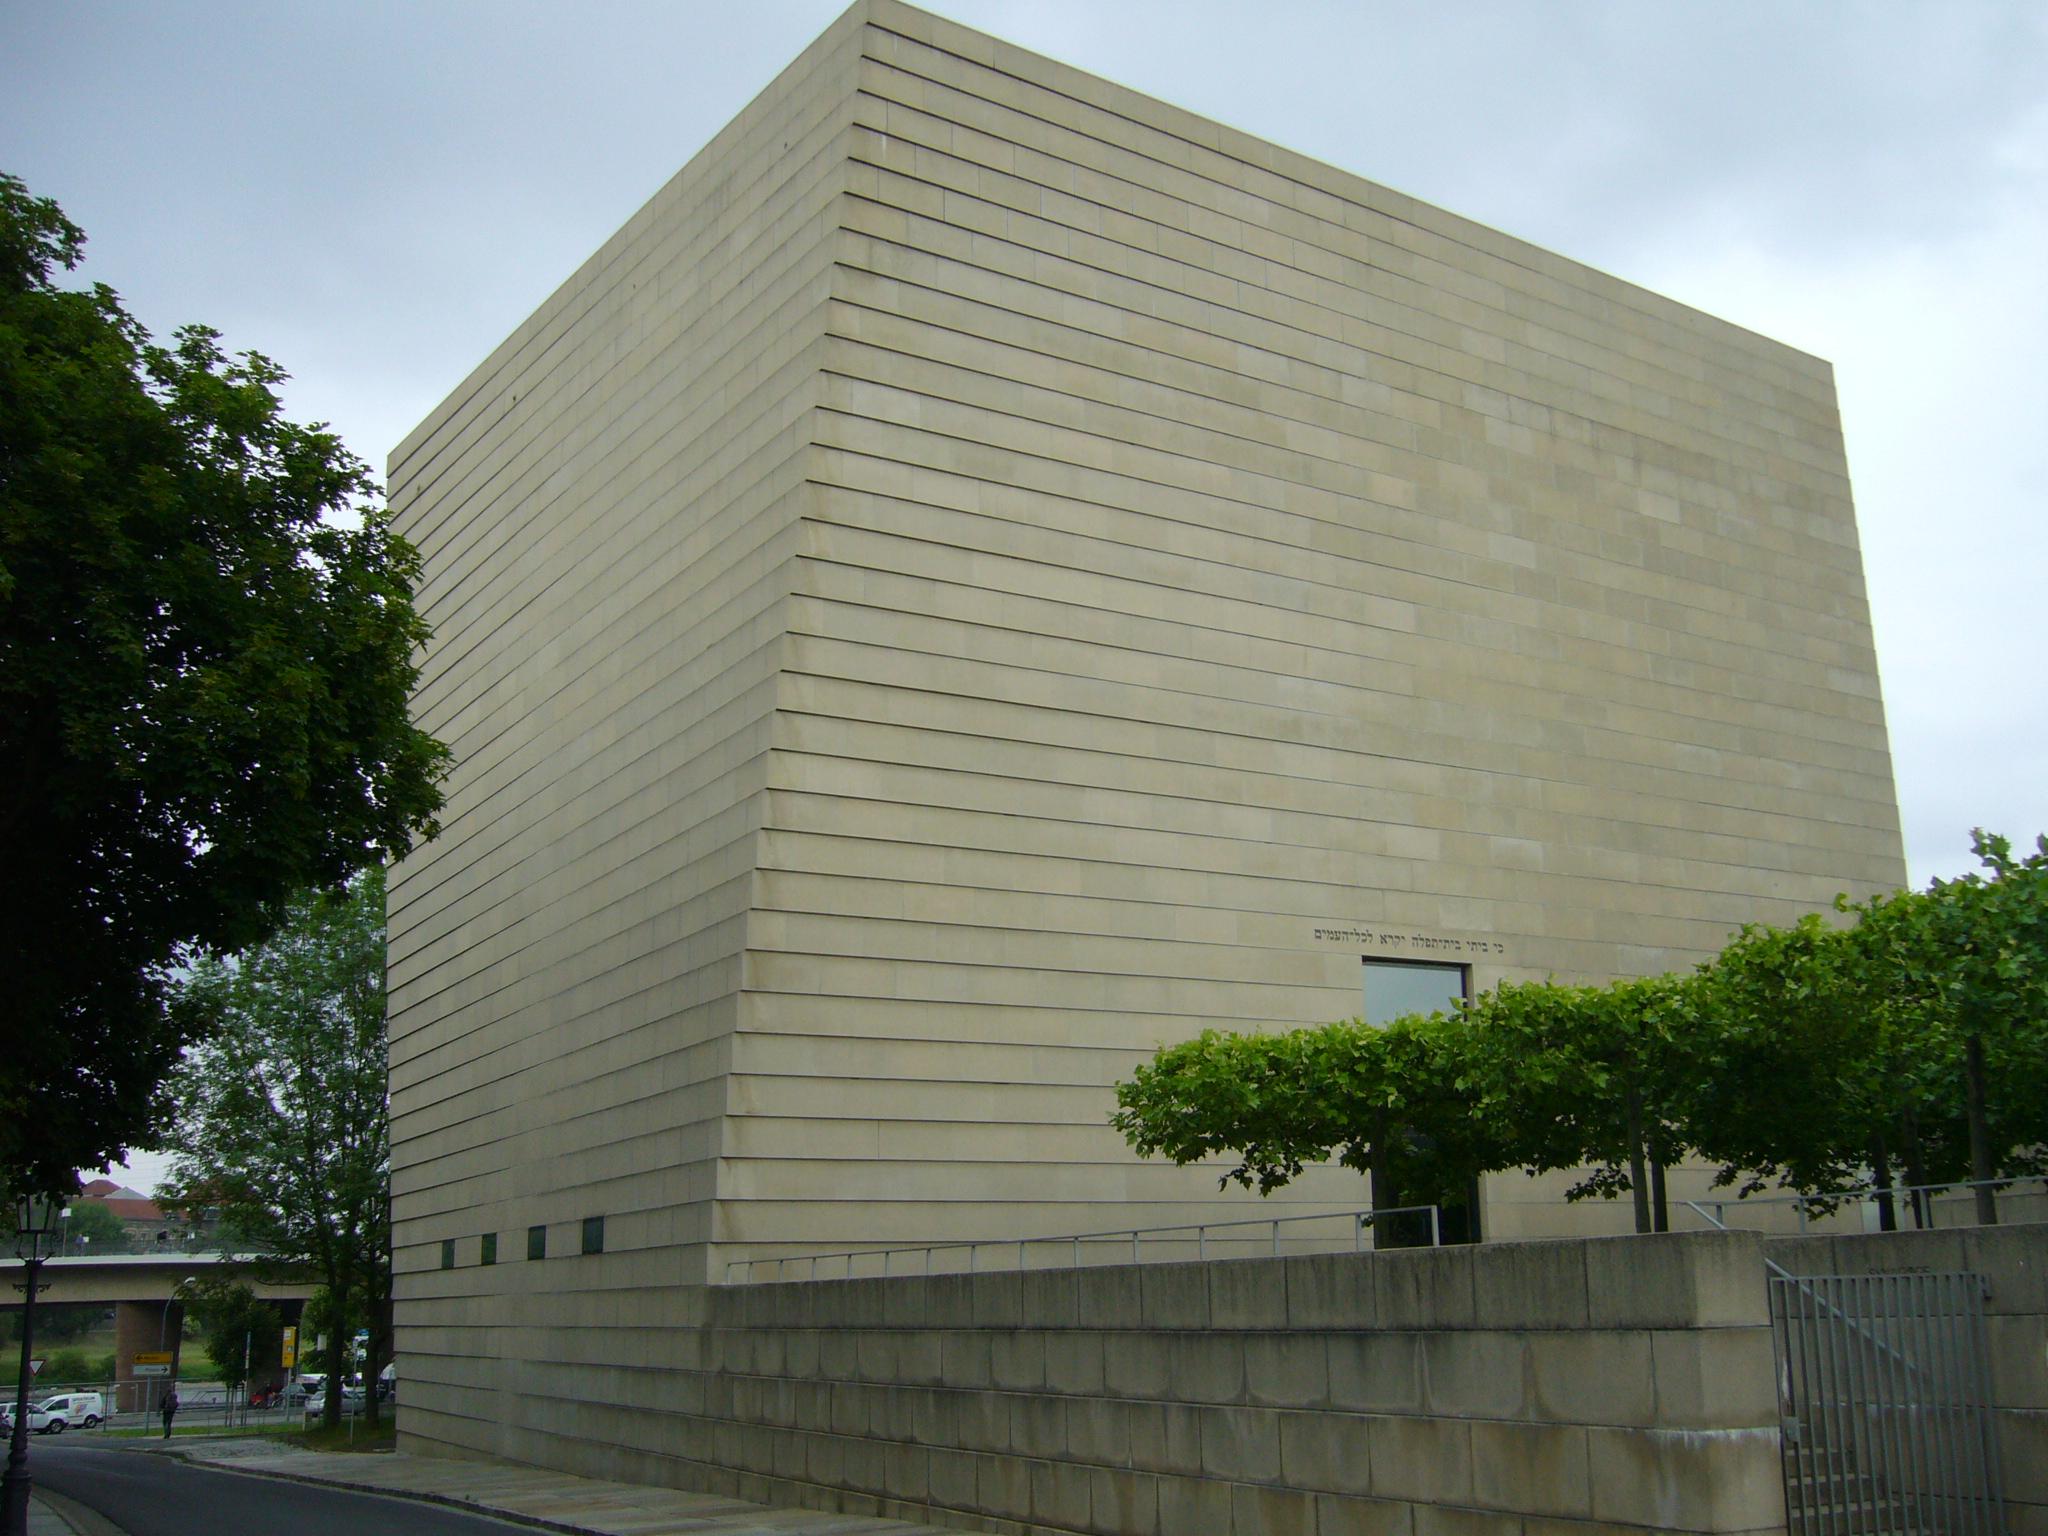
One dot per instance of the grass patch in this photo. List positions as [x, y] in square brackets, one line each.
[384, 1438]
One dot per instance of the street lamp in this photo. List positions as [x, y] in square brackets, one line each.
[35, 1220]
[163, 1332]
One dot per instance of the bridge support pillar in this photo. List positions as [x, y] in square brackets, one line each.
[140, 1328]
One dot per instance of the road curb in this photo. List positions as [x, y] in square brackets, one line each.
[74, 1516]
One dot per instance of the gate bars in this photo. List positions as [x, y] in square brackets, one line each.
[1884, 1393]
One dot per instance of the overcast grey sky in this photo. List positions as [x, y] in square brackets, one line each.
[376, 193]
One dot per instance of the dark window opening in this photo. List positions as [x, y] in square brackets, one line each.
[1394, 989]
[536, 1242]
[593, 1234]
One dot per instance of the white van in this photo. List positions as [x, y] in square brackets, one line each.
[54, 1415]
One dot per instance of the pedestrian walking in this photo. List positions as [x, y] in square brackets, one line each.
[169, 1410]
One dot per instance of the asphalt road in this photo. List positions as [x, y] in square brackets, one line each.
[154, 1495]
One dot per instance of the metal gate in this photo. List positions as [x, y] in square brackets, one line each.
[1884, 1398]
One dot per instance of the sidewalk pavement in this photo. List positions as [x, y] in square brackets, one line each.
[556, 1501]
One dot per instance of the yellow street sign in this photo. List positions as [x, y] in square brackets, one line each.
[291, 1348]
[152, 1359]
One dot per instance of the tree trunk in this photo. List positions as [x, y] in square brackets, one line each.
[1916, 1164]
[1660, 1203]
[1981, 1169]
[379, 1320]
[1386, 1229]
[338, 1341]
[1881, 1176]
[1638, 1182]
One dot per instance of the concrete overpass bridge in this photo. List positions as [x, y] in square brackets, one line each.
[147, 1292]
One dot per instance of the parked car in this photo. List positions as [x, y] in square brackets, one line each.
[54, 1415]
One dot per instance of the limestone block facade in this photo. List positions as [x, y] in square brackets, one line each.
[987, 574]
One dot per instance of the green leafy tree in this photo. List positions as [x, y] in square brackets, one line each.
[203, 687]
[1819, 1070]
[242, 1332]
[1809, 1057]
[283, 1124]
[1387, 1101]
[1971, 956]
[92, 1228]
[1590, 1078]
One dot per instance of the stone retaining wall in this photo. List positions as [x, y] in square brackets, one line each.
[1515, 1389]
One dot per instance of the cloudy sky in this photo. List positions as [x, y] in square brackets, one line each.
[376, 193]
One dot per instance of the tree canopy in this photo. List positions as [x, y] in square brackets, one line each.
[242, 1332]
[207, 644]
[282, 1123]
[1911, 1035]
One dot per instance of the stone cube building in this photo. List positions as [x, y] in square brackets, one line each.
[987, 574]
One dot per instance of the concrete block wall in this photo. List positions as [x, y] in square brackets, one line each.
[1535, 1389]
[2014, 1262]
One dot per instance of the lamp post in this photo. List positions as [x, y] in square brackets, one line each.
[35, 1221]
[163, 1332]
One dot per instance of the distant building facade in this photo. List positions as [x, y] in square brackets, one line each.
[146, 1226]
[987, 574]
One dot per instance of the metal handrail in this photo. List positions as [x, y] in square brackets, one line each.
[1360, 1220]
[1859, 1192]
[1803, 1282]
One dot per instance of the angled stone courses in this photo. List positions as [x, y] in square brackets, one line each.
[607, 789]
[474, 855]
[522, 1047]
[841, 714]
[1033, 319]
[625, 816]
[617, 570]
[645, 451]
[1184, 818]
[705, 902]
[1479, 368]
[1067, 159]
[832, 676]
[1461, 867]
[638, 444]
[869, 533]
[497, 1084]
[1183, 140]
[709, 460]
[1098, 365]
[692, 351]
[706, 816]
[739, 153]
[920, 246]
[1511, 625]
[900, 263]
[1689, 603]
[866, 533]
